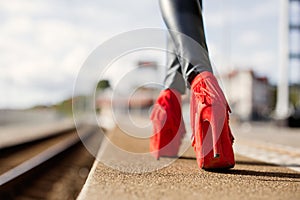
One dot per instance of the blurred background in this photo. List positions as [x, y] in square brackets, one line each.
[254, 47]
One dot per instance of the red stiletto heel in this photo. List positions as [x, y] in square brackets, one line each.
[212, 137]
[168, 125]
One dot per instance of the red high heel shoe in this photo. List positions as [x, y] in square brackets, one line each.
[168, 125]
[212, 138]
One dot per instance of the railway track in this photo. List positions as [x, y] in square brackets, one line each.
[50, 168]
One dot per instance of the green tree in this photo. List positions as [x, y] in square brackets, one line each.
[103, 84]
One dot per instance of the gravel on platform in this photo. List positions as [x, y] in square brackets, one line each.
[183, 179]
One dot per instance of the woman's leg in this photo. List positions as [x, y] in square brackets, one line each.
[184, 19]
[168, 125]
[174, 79]
[212, 139]
[166, 116]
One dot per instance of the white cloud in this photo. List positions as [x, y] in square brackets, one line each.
[44, 43]
[22, 7]
[243, 34]
[250, 39]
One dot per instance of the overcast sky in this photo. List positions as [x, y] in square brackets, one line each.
[43, 44]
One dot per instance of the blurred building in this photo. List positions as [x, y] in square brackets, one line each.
[249, 96]
[141, 89]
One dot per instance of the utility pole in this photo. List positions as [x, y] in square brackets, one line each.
[282, 105]
[286, 55]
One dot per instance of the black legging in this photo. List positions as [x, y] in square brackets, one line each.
[185, 17]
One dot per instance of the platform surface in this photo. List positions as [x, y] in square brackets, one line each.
[182, 179]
